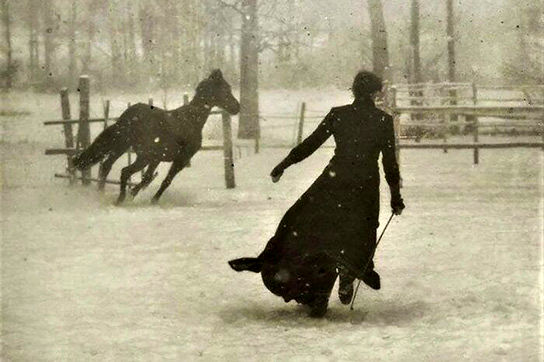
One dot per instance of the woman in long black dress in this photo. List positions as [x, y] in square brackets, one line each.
[331, 229]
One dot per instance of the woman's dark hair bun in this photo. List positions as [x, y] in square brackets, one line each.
[365, 84]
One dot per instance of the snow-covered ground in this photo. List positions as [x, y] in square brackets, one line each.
[85, 280]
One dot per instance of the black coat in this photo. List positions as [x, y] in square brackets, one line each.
[336, 218]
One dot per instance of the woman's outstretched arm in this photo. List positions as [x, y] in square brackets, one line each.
[308, 146]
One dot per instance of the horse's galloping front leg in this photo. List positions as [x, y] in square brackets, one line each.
[149, 175]
[176, 167]
[126, 172]
[105, 168]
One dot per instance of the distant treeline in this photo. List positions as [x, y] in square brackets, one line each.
[300, 43]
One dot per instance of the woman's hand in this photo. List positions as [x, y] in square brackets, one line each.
[276, 173]
[397, 205]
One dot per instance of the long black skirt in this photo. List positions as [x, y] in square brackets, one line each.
[333, 224]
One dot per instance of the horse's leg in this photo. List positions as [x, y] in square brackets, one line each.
[105, 168]
[176, 167]
[126, 172]
[149, 175]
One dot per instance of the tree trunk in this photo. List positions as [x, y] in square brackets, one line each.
[48, 38]
[414, 43]
[451, 54]
[9, 60]
[232, 52]
[451, 42]
[131, 34]
[415, 57]
[220, 51]
[248, 127]
[131, 61]
[117, 71]
[174, 45]
[147, 33]
[72, 43]
[378, 35]
[33, 54]
[90, 30]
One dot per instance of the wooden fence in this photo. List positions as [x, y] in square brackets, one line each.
[432, 105]
[439, 116]
[83, 138]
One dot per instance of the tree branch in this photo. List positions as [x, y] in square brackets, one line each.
[231, 6]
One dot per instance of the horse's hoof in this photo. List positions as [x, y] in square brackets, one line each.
[134, 192]
[154, 201]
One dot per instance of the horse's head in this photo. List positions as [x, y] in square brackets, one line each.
[215, 91]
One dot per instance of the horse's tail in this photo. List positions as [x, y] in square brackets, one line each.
[112, 139]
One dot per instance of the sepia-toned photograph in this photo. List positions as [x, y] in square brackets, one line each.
[280, 180]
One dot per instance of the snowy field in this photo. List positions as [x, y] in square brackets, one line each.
[83, 280]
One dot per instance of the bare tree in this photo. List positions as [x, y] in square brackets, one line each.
[33, 51]
[451, 41]
[248, 126]
[249, 67]
[378, 34]
[525, 63]
[414, 42]
[72, 42]
[90, 29]
[50, 29]
[9, 61]
[451, 55]
[129, 44]
[147, 33]
[117, 71]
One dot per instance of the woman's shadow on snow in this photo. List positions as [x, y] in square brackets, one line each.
[391, 312]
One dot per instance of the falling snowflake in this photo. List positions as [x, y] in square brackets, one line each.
[157, 140]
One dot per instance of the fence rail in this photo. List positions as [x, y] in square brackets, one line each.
[448, 113]
[454, 114]
[478, 111]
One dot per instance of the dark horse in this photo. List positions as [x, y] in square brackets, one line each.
[157, 135]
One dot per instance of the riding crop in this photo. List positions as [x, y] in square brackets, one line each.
[369, 259]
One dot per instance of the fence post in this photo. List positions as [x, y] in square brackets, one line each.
[84, 131]
[542, 128]
[257, 144]
[453, 101]
[475, 125]
[129, 152]
[106, 107]
[445, 135]
[301, 123]
[444, 117]
[186, 102]
[227, 150]
[393, 98]
[68, 134]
